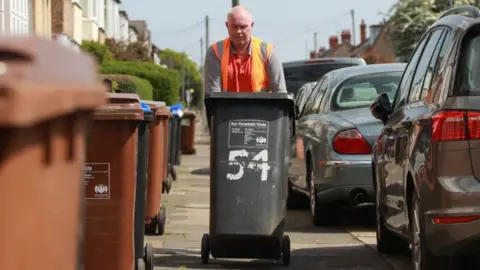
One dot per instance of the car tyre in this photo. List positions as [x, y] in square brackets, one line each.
[323, 214]
[422, 257]
[295, 200]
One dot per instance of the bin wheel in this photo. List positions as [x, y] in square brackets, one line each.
[205, 252]
[286, 250]
[161, 220]
[148, 257]
[151, 228]
[173, 173]
[167, 185]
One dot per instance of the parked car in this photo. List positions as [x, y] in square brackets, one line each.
[426, 162]
[332, 163]
[302, 96]
[298, 73]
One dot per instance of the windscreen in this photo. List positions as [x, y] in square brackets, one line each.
[360, 91]
[297, 76]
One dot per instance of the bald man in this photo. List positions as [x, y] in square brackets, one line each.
[242, 63]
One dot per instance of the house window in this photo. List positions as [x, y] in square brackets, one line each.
[19, 17]
[84, 5]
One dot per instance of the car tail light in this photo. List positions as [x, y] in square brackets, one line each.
[454, 220]
[351, 142]
[455, 126]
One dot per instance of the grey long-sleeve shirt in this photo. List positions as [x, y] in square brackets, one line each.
[212, 72]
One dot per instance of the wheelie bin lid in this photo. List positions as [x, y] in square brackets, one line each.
[120, 107]
[177, 109]
[147, 112]
[286, 100]
[158, 107]
[36, 87]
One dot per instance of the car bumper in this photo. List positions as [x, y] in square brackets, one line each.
[342, 181]
[457, 199]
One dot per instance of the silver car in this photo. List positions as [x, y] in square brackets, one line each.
[331, 163]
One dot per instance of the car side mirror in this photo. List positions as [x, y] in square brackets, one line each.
[381, 107]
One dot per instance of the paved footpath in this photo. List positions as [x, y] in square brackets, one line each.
[315, 248]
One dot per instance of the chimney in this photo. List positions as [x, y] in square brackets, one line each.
[346, 37]
[333, 42]
[363, 32]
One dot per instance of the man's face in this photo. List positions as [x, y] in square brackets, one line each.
[239, 29]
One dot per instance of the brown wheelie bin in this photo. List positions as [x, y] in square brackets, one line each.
[188, 133]
[156, 213]
[47, 93]
[168, 179]
[110, 182]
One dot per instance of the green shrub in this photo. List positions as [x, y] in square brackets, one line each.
[165, 82]
[98, 50]
[131, 84]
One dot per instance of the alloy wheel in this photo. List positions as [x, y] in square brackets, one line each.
[416, 243]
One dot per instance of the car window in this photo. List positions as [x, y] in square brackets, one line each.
[432, 71]
[429, 53]
[321, 91]
[406, 81]
[297, 76]
[310, 100]
[361, 90]
[469, 74]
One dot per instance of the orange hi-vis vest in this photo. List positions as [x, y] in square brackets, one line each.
[259, 53]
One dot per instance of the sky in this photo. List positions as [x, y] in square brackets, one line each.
[289, 25]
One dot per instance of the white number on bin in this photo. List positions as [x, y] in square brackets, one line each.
[258, 163]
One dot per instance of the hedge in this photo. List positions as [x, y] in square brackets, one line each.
[98, 50]
[131, 84]
[165, 82]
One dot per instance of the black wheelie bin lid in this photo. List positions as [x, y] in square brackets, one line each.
[285, 100]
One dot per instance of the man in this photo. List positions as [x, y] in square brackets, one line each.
[242, 63]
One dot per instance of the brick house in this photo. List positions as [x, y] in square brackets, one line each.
[337, 49]
[42, 17]
[377, 48]
[142, 33]
[67, 22]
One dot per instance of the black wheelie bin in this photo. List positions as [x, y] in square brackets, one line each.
[174, 154]
[250, 152]
[143, 253]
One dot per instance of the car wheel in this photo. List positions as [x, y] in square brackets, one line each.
[323, 214]
[387, 241]
[422, 258]
[294, 199]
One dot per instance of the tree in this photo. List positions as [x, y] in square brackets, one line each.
[442, 5]
[133, 51]
[191, 76]
[410, 20]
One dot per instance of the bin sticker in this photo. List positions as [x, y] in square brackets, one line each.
[259, 162]
[248, 133]
[97, 180]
